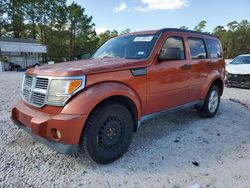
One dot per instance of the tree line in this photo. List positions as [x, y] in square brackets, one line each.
[235, 37]
[69, 32]
[66, 29]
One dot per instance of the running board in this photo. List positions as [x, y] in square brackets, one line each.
[197, 104]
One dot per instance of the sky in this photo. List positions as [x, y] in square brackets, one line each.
[140, 15]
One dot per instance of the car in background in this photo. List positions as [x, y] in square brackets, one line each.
[238, 72]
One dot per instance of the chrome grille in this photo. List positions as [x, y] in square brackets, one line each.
[38, 99]
[42, 83]
[26, 94]
[34, 90]
[28, 81]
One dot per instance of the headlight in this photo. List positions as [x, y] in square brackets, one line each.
[60, 90]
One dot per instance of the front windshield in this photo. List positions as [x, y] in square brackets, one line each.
[128, 47]
[241, 60]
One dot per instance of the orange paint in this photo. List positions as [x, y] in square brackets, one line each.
[165, 85]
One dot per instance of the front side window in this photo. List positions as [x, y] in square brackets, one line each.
[128, 47]
[197, 48]
[214, 48]
[173, 49]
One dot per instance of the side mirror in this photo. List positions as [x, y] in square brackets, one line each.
[170, 54]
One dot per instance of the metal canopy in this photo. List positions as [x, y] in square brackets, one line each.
[22, 47]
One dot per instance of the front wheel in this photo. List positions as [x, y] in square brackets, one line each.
[108, 133]
[212, 102]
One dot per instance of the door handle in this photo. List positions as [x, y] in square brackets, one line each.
[186, 66]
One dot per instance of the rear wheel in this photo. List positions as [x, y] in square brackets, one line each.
[212, 102]
[108, 133]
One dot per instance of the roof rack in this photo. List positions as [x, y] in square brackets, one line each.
[184, 31]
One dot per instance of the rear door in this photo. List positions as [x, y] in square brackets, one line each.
[200, 63]
[168, 80]
[215, 55]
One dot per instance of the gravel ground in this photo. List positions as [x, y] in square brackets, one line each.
[177, 150]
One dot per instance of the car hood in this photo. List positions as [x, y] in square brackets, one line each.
[238, 69]
[85, 67]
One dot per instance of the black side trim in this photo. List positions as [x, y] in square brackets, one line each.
[139, 71]
[196, 104]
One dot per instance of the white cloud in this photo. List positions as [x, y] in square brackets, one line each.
[162, 5]
[101, 30]
[120, 8]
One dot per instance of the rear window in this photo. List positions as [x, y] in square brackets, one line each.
[197, 48]
[214, 49]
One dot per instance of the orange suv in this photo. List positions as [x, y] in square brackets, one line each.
[97, 104]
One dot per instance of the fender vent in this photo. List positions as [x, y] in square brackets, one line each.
[139, 71]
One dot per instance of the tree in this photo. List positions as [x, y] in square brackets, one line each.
[31, 9]
[242, 37]
[200, 26]
[219, 31]
[184, 27]
[57, 32]
[45, 9]
[66, 30]
[16, 17]
[103, 37]
[235, 39]
[3, 19]
[81, 28]
[59, 15]
[126, 31]
[232, 26]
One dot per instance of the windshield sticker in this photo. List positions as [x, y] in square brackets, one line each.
[143, 39]
[140, 53]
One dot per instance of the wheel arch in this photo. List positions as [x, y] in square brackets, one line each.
[123, 100]
[212, 79]
[219, 83]
[86, 101]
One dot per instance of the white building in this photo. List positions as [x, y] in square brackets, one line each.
[19, 53]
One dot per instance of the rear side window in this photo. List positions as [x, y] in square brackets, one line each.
[214, 49]
[197, 48]
[174, 45]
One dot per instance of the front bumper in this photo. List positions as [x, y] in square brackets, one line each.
[238, 80]
[40, 126]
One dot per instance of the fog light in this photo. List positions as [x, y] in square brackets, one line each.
[56, 134]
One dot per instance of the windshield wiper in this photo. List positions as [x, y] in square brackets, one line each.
[112, 57]
[107, 56]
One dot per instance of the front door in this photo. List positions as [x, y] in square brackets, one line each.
[168, 78]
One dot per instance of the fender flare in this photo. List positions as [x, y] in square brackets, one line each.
[209, 80]
[85, 101]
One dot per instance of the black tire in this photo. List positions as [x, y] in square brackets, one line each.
[107, 133]
[205, 110]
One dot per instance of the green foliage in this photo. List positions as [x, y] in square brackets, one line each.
[184, 27]
[66, 30]
[81, 32]
[200, 26]
[103, 37]
[69, 32]
[126, 31]
[235, 39]
[3, 17]
[16, 16]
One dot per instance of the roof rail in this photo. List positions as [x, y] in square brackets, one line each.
[184, 31]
